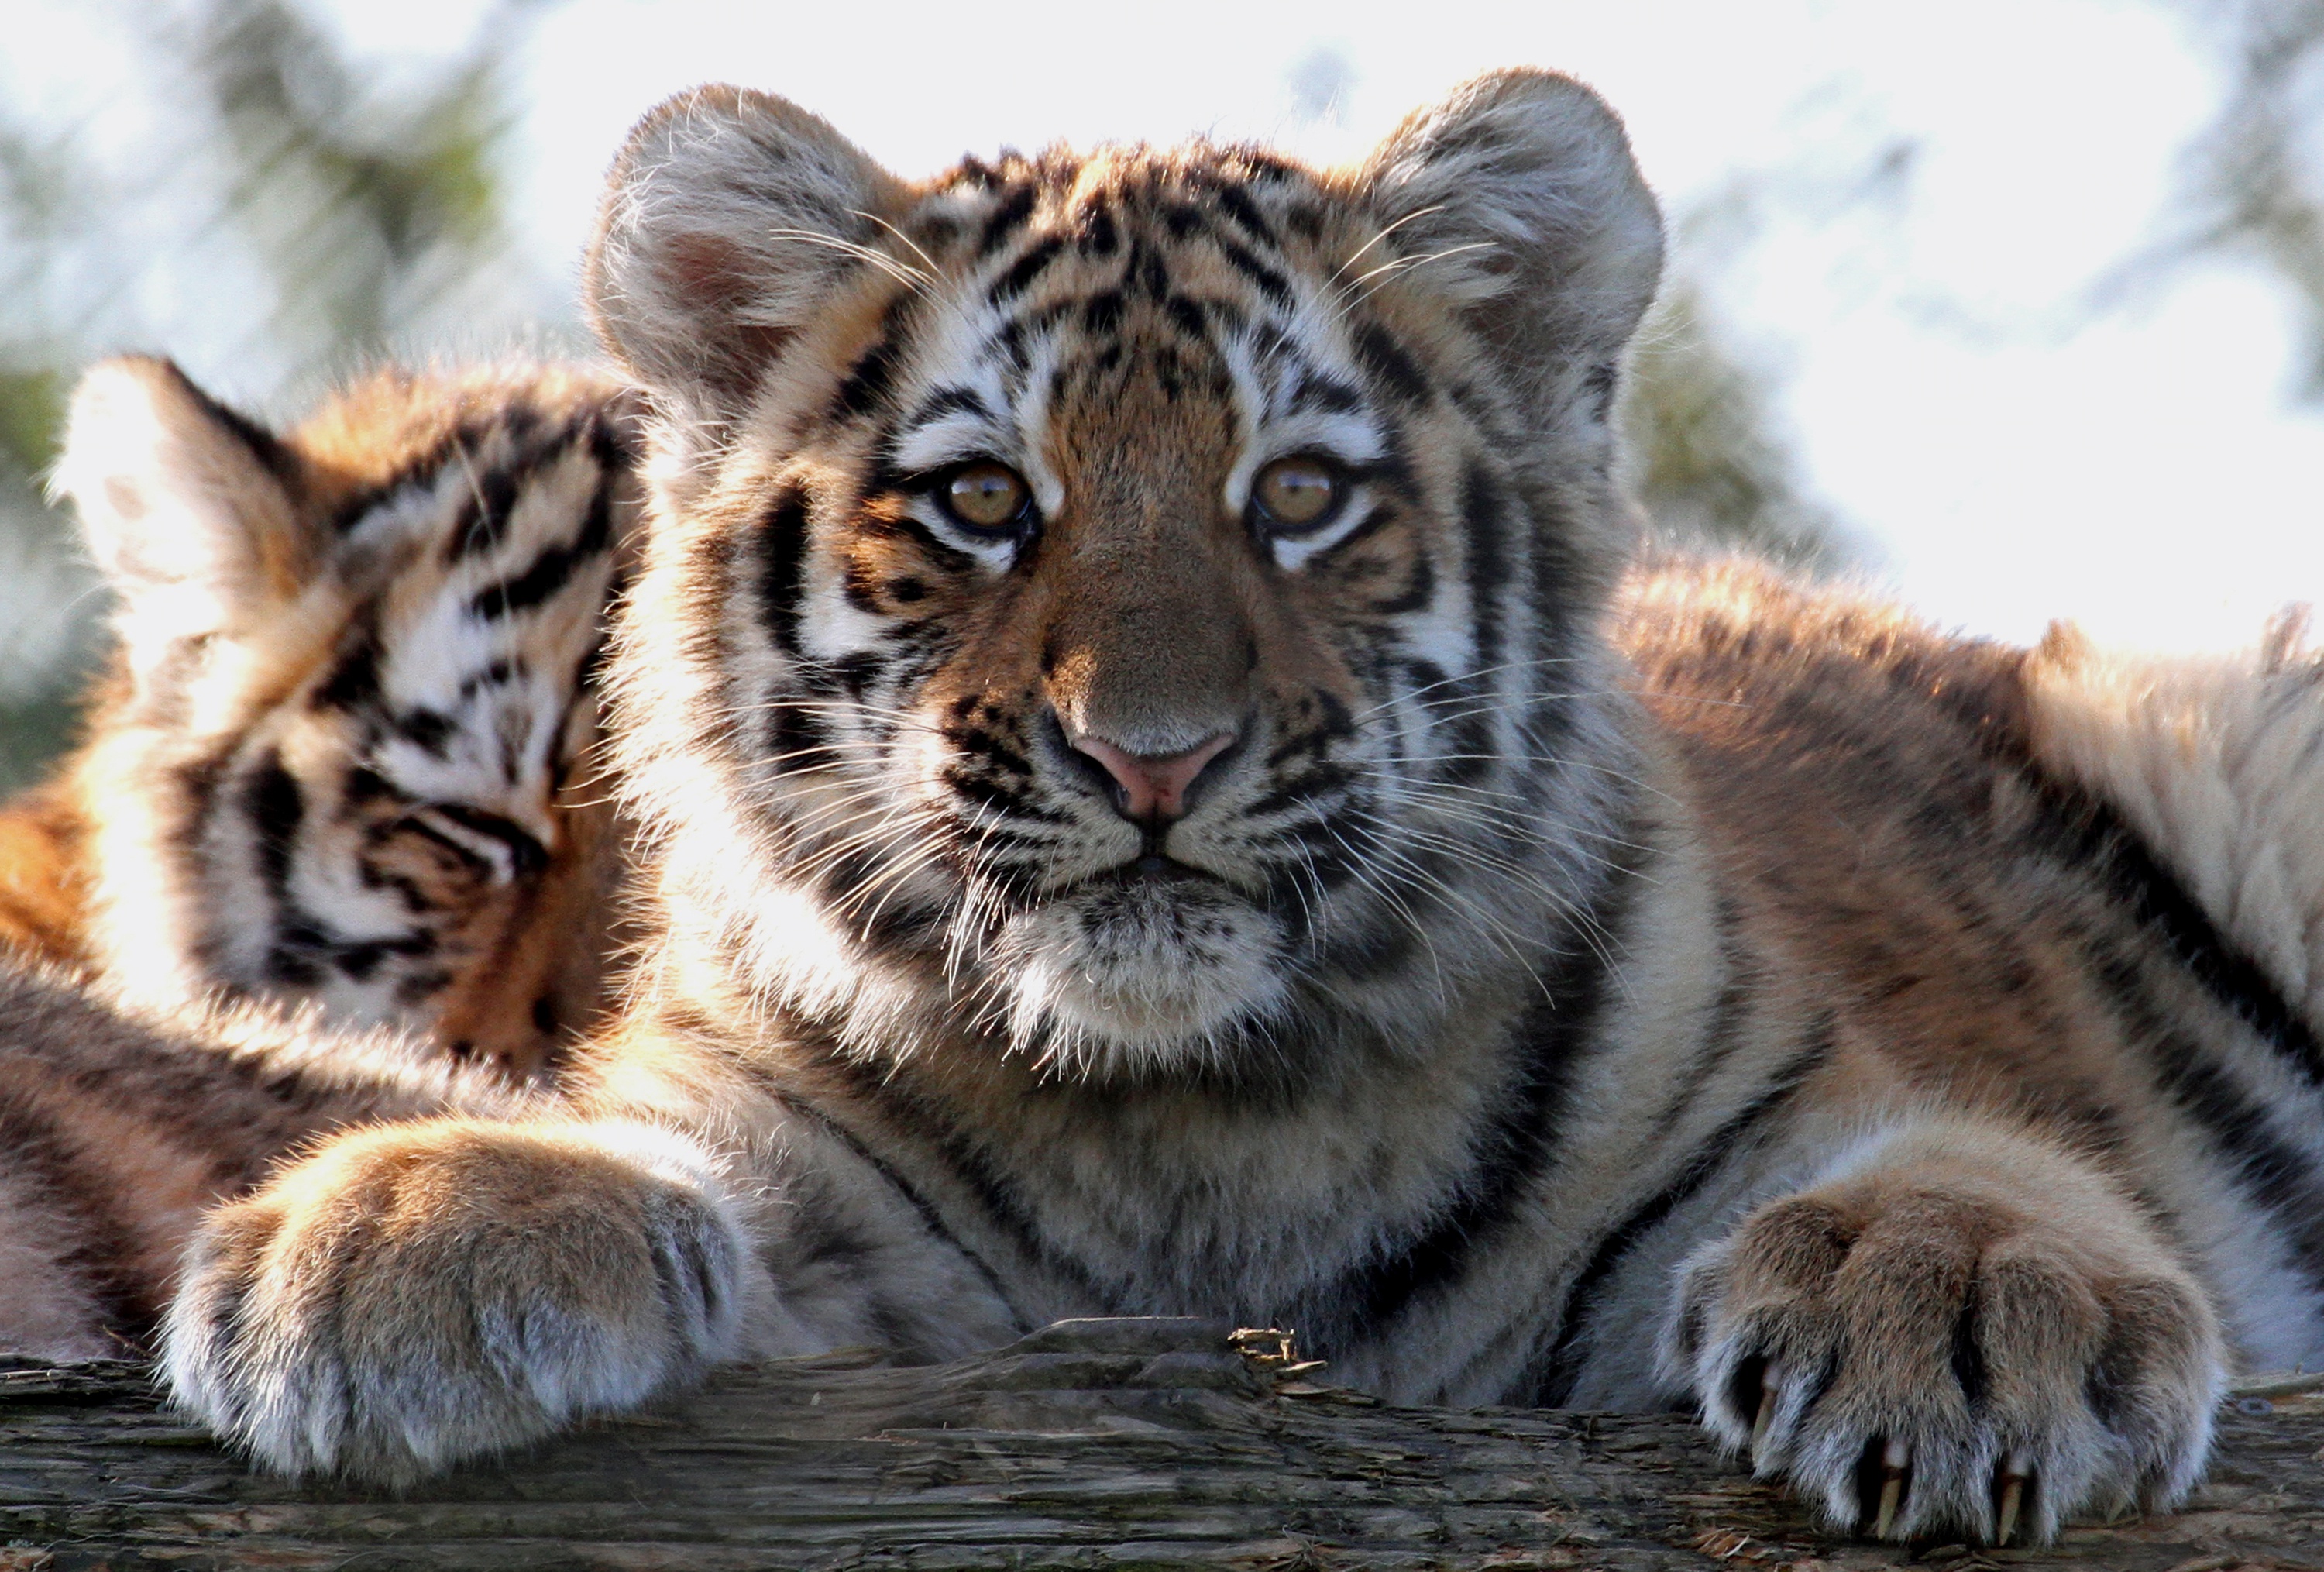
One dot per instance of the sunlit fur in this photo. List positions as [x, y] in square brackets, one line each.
[343, 756]
[872, 705]
[1565, 990]
[120, 1124]
[2219, 760]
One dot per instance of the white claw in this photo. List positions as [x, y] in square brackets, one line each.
[1766, 1418]
[2015, 1470]
[1893, 1462]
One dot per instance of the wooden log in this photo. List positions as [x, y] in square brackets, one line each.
[1094, 1444]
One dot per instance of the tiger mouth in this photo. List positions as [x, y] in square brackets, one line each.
[1154, 868]
[1155, 876]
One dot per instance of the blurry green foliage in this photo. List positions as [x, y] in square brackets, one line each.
[31, 415]
[2251, 184]
[1708, 461]
[311, 209]
[368, 207]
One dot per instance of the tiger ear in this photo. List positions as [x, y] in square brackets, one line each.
[728, 218]
[1520, 192]
[186, 505]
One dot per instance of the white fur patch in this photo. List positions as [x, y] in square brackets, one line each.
[1137, 975]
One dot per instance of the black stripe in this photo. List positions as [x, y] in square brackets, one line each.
[1095, 234]
[487, 499]
[1268, 281]
[994, 1195]
[1014, 210]
[2236, 983]
[1245, 214]
[553, 568]
[526, 855]
[1102, 313]
[1484, 511]
[426, 728]
[1390, 361]
[1146, 272]
[1550, 1380]
[949, 401]
[2280, 1176]
[354, 681]
[1513, 1147]
[274, 805]
[1317, 391]
[782, 567]
[273, 455]
[930, 1218]
[1024, 271]
[867, 380]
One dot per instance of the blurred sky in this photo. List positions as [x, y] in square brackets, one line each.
[2007, 457]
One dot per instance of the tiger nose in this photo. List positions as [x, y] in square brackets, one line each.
[1151, 788]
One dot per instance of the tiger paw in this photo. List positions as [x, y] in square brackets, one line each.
[1963, 1332]
[417, 1294]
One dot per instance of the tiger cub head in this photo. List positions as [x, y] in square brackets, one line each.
[344, 757]
[1131, 606]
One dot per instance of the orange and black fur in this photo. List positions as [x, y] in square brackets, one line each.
[342, 759]
[1156, 800]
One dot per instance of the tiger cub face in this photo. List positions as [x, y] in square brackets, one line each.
[1132, 601]
[344, 759]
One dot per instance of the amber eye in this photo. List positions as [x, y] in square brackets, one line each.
[985, 495]
[1297, 494]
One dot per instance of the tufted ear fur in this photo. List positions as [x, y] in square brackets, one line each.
[1521, 190]
[186, 505]
[728, 217]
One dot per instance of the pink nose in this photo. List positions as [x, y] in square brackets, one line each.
[1154, 785]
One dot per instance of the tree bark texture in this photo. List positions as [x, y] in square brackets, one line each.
[1094, 1444]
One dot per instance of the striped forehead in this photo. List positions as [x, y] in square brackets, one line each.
[1084, 282]
[482, 586]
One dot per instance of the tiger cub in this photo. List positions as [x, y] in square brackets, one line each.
[342, 758]
[1149, 807]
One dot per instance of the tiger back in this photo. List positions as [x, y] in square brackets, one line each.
[342, 758]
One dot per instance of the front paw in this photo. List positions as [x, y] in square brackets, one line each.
[1966, 1335]
[420, 1293]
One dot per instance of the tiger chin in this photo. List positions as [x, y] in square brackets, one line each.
[1157, 797]
[1145, 975]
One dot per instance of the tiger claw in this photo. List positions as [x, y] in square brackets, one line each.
[2016, 1469]
[1893, 1460]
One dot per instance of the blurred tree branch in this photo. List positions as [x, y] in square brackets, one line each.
[2251, 184]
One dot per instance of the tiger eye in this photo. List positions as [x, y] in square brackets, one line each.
[1296, 493]
[985, 495]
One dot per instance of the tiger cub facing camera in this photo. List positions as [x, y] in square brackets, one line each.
[341, 758]
[1149, 808]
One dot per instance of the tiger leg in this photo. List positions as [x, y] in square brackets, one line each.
[119, 1129]
[1957, 1329]
[418, 1293]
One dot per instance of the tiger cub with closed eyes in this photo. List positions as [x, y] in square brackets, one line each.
[342, 759]
[1149, 808]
